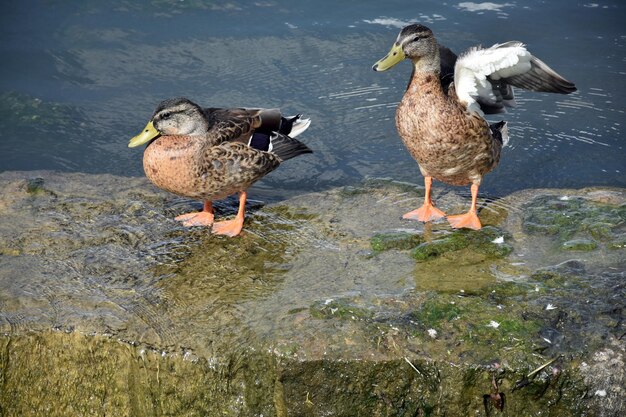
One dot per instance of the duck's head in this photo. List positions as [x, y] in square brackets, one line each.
[177, 116]
[415, 42]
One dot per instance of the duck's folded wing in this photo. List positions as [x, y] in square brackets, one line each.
[483, 77]
[233, 165]
[232, 125]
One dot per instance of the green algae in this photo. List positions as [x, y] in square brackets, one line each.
[35, 185]
[435, 248]
[395, 240]
[103, 376]
[556, 280]
[579, 245]
[435, 311]
[91, 376]
[485, 241]
[573, 220]
[478, 326]
[503, 290]
[618, 243]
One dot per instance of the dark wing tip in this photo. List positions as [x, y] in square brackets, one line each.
[542, 78]
[285, 147]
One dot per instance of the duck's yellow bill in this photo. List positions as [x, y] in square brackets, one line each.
[392, 58]
[148, 133]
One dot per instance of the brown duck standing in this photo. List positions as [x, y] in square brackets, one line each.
[211, 153]
[441, 116]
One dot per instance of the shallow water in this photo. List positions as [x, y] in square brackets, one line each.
[101, 255]
[78, 79]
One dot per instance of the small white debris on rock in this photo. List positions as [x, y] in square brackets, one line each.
[494, 324]
[432, 333]
[564, 198]
[600, 393]
[498, 240]
[550, 307]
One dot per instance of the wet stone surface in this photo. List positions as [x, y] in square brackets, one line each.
[327, 304]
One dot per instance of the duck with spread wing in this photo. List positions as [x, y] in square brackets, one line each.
[441, 116]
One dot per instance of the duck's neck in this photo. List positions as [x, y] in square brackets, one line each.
[425, 76]
[425, 83]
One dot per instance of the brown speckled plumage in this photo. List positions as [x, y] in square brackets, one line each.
[211, 153]
[445, 132]
[205, 153]
[449, 143]
[186, 166]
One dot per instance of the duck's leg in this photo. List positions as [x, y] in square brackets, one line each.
[198, 218]
[428, 211]
[232, 227]
[470, 219]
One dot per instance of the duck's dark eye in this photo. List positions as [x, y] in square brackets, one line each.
[417, 38]
[166, 115]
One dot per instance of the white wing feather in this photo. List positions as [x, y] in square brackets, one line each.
[475, 65]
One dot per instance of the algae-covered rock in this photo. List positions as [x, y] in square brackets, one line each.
[575, 219]
[340, 308]
[317, 308]
[488, 241]
[618, 243]
[580, 245]
[35, 185]
[395, 240]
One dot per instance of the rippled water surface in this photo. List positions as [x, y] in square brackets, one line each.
[78, 79]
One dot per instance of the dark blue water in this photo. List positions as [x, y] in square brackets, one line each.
[78, 79]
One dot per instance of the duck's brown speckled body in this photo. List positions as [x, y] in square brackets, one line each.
[443, 127]
[449, 144]
[212, 153]
[186, 166]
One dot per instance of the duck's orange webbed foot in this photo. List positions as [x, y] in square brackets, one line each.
[228, 227]
[428, 211]
[425, 213]
[232, 227]
[468, 220]
[198, 218]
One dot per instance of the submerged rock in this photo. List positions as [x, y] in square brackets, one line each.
[489, 241]
[580, 245]
[395, 240]
[578, 222]
[328, 304]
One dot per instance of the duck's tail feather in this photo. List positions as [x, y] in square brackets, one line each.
[285, 147]
[293, 125]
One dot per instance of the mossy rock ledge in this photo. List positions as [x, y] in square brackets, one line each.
[329, 304]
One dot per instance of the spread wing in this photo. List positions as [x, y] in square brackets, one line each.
[483, 77]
